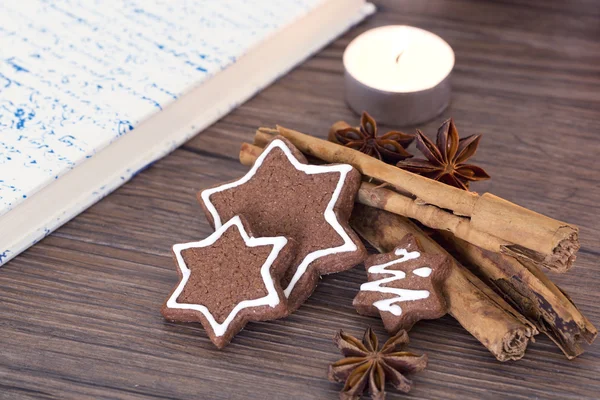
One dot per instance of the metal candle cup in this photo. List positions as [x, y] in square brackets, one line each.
[399, 74]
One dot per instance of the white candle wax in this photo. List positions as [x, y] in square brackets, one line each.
[399, 59]
[398, 66]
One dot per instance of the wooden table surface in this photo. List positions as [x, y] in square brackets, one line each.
[79, 312]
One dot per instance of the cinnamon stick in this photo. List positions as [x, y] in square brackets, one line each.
[523, 284]
[484, 314]
[523, 233]
[534, 295]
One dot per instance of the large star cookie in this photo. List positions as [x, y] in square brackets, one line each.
[229, 279]
[404, 286]
[282, 195]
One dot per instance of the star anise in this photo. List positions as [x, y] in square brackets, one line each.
[446, 158]
[389, 148]
[366, 363]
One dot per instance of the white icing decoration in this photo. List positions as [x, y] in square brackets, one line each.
[423, 272]
[329, 214]
[403, 294]
[271, 299]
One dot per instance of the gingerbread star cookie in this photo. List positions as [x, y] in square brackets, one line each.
[229, 279]
[282, 195]
[404, 286]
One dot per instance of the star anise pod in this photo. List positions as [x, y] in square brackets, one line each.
[446, 158]
[366, 363]
[389, 148]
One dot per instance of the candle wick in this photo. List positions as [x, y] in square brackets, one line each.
[398, 56]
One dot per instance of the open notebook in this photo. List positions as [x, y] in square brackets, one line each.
[93, 91]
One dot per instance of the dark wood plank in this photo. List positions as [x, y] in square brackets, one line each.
[80, 312]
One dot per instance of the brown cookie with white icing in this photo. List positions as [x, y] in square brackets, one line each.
[404, 286]
[229, 279]
[282, 195]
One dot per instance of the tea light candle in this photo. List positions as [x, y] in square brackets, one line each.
[399, 74]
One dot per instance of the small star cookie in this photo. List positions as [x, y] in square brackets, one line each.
[229, 279]
[404, 286]
[282, 195]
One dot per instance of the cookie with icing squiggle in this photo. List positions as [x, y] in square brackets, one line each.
[283, 195]
[404, 286]
[228, 279]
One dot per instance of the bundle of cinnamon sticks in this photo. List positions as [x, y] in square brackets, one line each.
[496, 291]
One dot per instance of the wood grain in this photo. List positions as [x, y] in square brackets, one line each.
[80, 314]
